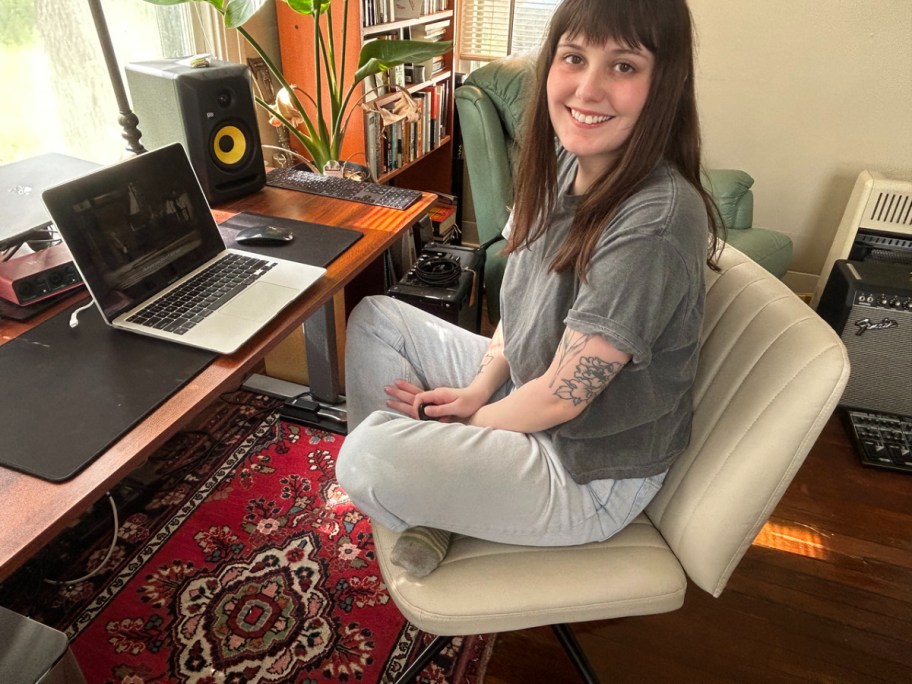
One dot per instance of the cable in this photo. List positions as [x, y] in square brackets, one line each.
[107, 557]
[257, 415]
[438, 272]
[74, 318]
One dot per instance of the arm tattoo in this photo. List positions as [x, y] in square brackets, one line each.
[591, 375]
[485, 362]
[590, 378]
[494, 348]
[571, 344]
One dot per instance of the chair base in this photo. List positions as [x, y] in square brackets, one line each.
[564, 636]
[412, 671]
[572, 647]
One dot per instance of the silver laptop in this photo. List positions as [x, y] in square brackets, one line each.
[22, 215]
[144, 240]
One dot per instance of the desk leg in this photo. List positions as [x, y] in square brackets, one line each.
[322, 360]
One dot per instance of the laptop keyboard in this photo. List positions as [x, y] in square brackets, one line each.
[185, 306]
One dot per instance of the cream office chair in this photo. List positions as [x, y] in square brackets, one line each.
[770, 375]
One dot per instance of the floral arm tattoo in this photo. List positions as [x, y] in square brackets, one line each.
[495, 348]
[591, 374]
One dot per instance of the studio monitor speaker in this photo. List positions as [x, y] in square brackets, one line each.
[869, 303]
[208, 110]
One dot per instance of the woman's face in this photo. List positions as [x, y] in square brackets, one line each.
[595, 96]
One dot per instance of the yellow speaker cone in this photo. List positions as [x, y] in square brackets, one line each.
[229, 145]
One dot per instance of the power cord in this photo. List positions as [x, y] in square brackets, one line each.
[438, 271]
[74, 317]
[258, 415]
[107, 557]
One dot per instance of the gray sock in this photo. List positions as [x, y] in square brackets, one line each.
[419, 550]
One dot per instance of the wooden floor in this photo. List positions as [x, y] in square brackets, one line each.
[823, 595]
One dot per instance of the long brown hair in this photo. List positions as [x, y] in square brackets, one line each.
[668, 126]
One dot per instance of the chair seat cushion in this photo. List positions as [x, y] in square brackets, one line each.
[633, 573]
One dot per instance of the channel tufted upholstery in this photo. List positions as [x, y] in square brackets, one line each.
[770, 375]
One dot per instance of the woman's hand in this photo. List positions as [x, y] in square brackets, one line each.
[402, 397]
[446, 404]
[449, 404]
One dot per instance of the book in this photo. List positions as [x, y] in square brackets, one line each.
[407, 9]
[434, 117]
[374, 142]
[429, 32]
[443, 218]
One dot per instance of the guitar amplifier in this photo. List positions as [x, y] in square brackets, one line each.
[446, 281]
[869, 304]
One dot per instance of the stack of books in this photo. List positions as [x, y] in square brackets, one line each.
[392, 145]
[443, 218]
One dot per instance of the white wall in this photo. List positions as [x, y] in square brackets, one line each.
[803, 95]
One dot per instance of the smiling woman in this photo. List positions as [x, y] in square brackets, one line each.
[58, 96]
[595, 95]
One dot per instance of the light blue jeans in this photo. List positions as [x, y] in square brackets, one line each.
[491, 484]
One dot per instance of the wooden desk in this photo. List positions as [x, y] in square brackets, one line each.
[34, 511]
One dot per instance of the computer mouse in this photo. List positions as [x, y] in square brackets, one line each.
[264, 235]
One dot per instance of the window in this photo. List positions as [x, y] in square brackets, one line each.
[490, 29]
[57, 93]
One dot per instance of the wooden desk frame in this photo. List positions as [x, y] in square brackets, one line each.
[34, 511]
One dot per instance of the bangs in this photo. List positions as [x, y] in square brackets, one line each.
[627, 22]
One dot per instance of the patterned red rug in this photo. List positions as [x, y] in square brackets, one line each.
[239, 559]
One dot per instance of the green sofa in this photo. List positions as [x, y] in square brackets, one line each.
[490, 105]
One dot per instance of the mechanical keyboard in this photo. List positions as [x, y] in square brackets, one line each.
[296, 178]
[883, 440]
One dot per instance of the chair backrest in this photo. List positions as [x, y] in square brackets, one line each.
[731, 190]
[770, 375]
[490, 106]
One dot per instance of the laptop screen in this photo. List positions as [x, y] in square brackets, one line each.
[135, 227]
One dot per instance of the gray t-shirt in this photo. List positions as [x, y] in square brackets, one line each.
[644, 292]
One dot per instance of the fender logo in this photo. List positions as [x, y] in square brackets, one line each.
[867, 324]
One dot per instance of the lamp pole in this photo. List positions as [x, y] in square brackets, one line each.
[128, 120]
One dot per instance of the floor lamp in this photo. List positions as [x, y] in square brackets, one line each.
[128, 120]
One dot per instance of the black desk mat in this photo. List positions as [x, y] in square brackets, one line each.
[69, 393]
[313, 243]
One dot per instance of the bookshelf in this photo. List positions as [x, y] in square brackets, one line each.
[418, 155]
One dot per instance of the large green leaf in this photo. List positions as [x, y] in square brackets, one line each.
[175, 2]
[236, 12]
[307, 6]
[380, 55]
[215, 3]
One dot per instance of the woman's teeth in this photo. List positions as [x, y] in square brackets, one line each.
[588, 118]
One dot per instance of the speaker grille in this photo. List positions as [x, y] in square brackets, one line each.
[881, 357]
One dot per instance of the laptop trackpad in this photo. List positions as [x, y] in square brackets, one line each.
[259, 302]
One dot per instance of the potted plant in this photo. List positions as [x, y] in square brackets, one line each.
[319, 120]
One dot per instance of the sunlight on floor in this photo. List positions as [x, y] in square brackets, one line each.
[798, 539]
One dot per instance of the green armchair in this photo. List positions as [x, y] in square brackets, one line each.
[731, 189]
[490, 106]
